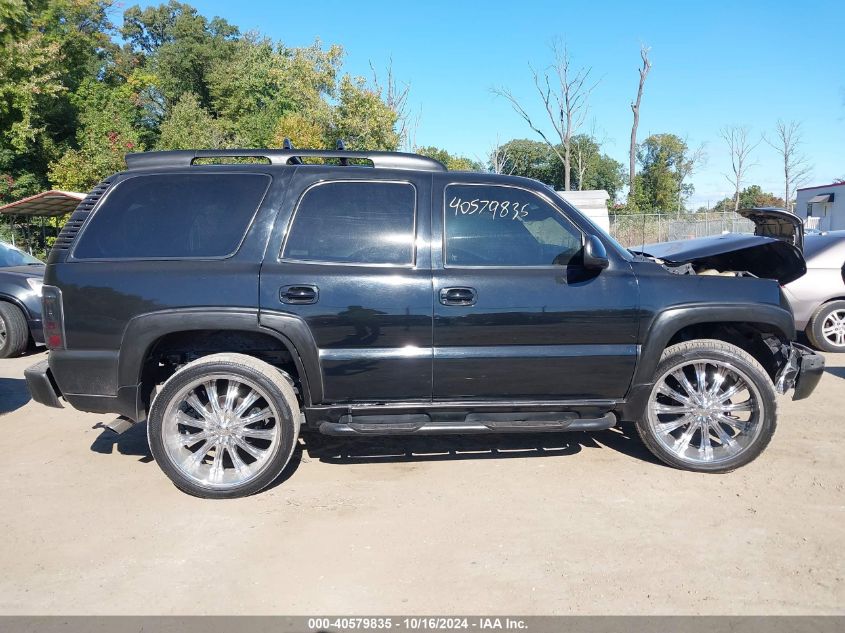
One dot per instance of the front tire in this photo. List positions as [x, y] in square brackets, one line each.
[712, 408]
[14, 331]
[826, 329]
[224, 426]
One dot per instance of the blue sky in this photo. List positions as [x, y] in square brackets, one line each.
[714, 63]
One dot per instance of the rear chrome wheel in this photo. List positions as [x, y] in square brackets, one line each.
[221, 430]
[224, 425]
[711, 409]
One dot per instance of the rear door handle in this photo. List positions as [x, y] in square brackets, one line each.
[299, 294]
[458, 296]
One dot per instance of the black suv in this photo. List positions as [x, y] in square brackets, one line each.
[233, 305]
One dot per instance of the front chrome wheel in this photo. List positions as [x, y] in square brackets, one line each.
[833, 328]
[221, 431]
[704, 412]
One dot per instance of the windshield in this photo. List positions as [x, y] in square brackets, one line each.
[11, 256]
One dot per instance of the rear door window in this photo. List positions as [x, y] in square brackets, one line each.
[172, 216]
[354, 222]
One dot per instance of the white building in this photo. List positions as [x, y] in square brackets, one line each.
[592, 203]
[822, 207]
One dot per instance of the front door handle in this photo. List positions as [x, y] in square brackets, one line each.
[458, 296]
[300, 294]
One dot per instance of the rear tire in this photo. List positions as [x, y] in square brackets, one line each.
[826, 329]
[14, 331]
[224, 426]
[712, 408]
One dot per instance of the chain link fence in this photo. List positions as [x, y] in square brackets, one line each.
[647, 228]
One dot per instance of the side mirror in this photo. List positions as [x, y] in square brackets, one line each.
[595, 254]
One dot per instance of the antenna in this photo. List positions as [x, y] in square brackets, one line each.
[341, 147]
[287, 144]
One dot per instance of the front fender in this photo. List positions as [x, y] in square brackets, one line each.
[667, 323]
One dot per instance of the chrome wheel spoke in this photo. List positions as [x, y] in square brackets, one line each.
[670, 408]
[718, 380]
[668, 427]
[246, 403]
[193, 438]
[683, 442]
[213, 397]
[248, 448]
[675, 395]
[255, 417]
[217, 462]
[187, 420]
[701, 378]
[231, 394]
[237, 461]
[724, 439]
[731, 391]
[738, 406]
[258, 434]
[194, 402]
[681, 377]
[705, 448]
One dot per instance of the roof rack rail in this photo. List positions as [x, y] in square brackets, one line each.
[286, 156]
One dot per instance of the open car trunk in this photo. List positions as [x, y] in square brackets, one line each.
[775, 251]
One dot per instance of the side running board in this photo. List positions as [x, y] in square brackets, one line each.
[421, 424]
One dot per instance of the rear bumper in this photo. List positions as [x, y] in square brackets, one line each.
[802, 371]
[41, 385]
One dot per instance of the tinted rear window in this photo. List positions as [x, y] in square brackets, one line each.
[173, 216]
[361, 222]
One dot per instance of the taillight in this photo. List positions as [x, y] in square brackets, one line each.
[53, 317]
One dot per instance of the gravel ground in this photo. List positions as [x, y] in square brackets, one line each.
[538, 524]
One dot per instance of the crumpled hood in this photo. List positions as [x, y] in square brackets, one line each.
[773, 252]
[764, 257]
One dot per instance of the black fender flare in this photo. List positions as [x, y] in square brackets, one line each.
[669, 322]
[17, 303]
[292, 332]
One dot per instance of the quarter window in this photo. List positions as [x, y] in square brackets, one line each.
[173, 216]
[359, 222]
[490, 225]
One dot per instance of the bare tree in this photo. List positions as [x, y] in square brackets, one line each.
[635, 108]
[740, 146]
[796, 169]
[395, 95]
[498, 159]
[687, 167]
[566, 105]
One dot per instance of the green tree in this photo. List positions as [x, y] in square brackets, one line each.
[664, 161]
[751, 196]
[180, 46]
[47, 49]
[452, 162]
[362, 119]
[190, 126]
[108, 118]
[532, 159]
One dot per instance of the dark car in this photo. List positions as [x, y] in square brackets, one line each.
[232, 306]
[20, 301]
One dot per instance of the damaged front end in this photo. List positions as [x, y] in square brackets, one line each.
[775, 251]
[801, 369]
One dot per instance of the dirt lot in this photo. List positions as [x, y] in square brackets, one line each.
[540, 524]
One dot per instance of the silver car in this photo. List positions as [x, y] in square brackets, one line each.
[818, 297]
